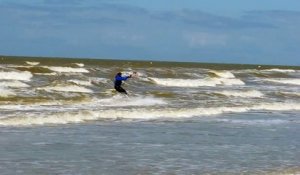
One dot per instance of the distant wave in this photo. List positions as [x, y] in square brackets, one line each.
[223, 74]
[183, 82]
[79, 64]
[32, 63]
[280, 70]
[294, 81]
[196, 82]
[34, 69]
[67, 69]
[250, 93]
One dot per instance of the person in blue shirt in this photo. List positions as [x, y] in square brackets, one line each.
[118, 82]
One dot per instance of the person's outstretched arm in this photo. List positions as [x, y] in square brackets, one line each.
[123, 78]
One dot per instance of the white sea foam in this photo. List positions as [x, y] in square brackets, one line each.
[119, 100]
[46, 74]
[98, 80]
[15, 84]
[25, 76]
[183, 82]
[6, 92]
[68, 88]
[32, 63]
[138, 113]
[250, 93]
[280, 70]
[229, 81]
[79, 64]
[81, 82]
[115, 101]
[294, 81]
[223, 74]
[196, 82]
[277, 106]
[67, 69]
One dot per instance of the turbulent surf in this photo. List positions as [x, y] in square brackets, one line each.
[59, 91]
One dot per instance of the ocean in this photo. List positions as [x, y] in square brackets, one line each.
[62, 116]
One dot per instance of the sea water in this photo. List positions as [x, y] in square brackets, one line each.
[62, 116]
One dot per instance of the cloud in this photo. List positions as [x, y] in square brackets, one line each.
[202, 39]
[206, 20]
[273, 16]
[97, 28]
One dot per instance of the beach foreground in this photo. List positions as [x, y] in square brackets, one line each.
[62, 116]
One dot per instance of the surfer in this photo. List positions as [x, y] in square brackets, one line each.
[118, 82]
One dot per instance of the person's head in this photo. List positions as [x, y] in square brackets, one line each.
[119, 74]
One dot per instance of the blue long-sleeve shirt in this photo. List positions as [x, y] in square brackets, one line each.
[119, 79]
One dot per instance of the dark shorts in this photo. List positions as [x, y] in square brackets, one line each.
[120, 89]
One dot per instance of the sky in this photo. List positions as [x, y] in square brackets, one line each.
[216, 31]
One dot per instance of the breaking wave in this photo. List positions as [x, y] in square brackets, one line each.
[32, 63]
[223, 74]
[196, 82]
[247, 94]
[6, 92]
[67, 69]
[25, 76]
[67, 88]
[280, 70]
[293, 81]
[14, 83]
[138, 114]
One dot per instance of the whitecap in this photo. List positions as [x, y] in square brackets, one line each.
[138, 113]
[184, 82]
[120, 100]
[15, 84]
[79, 64]
[280, 70]
[247, 94]
[25, 75]
[6, 92]
[32, 63]
[81, 82]
[223, 74]
[69, 88]
[196, 82]
[67, 69]
[293, 81]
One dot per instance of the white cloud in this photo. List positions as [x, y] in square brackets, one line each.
[202, 39]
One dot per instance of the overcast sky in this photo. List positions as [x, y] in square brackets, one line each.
[223, 31]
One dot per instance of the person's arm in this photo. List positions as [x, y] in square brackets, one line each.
[123, 78]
